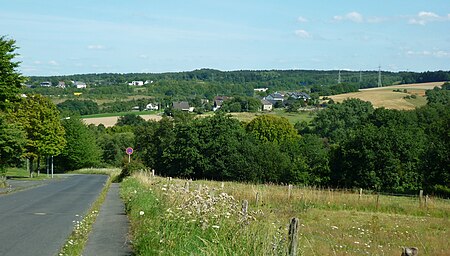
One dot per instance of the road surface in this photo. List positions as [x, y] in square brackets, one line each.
[39, 220]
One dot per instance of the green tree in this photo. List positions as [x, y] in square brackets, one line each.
[12, 142]
[130, 119]
[10, 79]
[337, 120]
[269, 128]
[41, 122]
[82, 149]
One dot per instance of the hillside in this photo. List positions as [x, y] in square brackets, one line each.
[392, 97]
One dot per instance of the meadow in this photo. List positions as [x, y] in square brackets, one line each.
[388, 98]
[179, 217]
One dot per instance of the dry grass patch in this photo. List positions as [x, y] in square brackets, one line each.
[386, 97]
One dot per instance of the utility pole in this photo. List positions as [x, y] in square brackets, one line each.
[339, 77]
[379, 77]
[360, 76]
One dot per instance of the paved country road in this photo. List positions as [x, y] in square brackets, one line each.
[38, 221]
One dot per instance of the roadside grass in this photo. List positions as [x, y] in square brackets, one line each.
[76, 242]
[206, 219]
[23, 174]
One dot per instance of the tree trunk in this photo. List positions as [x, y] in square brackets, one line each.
[39, 165]
[31, 166]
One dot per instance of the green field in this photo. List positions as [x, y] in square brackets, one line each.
[178, 217]
[149, 112]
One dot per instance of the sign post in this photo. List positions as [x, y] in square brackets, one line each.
[129, 151]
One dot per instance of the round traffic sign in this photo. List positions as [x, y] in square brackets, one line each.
[129, 150]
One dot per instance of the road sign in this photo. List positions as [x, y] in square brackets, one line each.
[129, 150]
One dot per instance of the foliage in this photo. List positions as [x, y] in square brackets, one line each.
[272, 129]
[82, 150]
[12, 142]
[131, 120]
[78, 107]
[41, 122]
[10, 79]
[335, 121]
[241, 104]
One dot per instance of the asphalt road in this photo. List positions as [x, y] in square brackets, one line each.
[38, 221]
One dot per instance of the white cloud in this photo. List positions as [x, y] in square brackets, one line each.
[304, 20]
[53, 63]
[302, 34]
[351, 16]
[426, 53]
[96, 47]
[423, 18]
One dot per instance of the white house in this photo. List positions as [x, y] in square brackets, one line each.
[152, 106]
[79, 85]
[260, 89]
[136, 83]
[46, 84]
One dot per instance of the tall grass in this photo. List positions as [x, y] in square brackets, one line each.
[168, 219]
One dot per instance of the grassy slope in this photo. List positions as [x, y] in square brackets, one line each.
[386, 97]
[166, 219]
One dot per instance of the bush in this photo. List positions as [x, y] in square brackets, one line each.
[440, 190]
[130, 168]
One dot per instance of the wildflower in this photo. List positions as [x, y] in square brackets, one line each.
[215, 226]
[334, 227]
[141, 213]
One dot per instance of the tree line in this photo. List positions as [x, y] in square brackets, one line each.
[347, 145]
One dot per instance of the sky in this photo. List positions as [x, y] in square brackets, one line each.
[90, 36]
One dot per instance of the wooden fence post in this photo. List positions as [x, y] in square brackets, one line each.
[378, 200]
[360, 194]
[222, 185]
[153, 172]
[289, 191]
[293, 237]
[420, 197]
[257, 198]
[186, 186]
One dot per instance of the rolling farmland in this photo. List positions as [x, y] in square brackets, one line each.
[388, 98]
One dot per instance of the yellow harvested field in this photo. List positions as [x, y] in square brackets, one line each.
[112, 120]
[386, 97]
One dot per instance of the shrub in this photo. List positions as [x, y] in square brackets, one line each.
[130, 168]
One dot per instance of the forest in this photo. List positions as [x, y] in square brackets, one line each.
[347, 145]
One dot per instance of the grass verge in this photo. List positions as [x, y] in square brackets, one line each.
[177, 217]
[77, 240]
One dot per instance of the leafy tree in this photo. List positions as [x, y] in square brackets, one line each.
[41, 122]
[269, 128]
[78, 107]
[82, 150]
[12, 142]
[10, 79]
[130, 119]
[335, 121]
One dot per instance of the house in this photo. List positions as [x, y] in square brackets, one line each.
[218, 101]
[79, 85]
[299, 96]
[136, 83]
[266, 105]
[151, 106]
[61, 84]
[46, 84]
[274, 97]
[182, 105]
[260, 89]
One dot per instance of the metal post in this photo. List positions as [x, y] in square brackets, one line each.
[52, 167]
[129, 158]
[47, 165]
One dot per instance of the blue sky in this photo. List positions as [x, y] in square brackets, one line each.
[72, 37]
